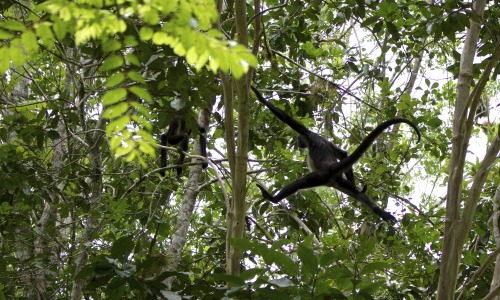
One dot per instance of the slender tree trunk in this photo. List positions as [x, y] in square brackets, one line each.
[187, 205]
[495, 282]
[236, 213]
[93, 139]
[451, 244]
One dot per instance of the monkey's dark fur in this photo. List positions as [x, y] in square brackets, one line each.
[177, 133]
[330, 165]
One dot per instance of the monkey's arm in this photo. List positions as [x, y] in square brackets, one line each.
[283, 116]
[346, 187]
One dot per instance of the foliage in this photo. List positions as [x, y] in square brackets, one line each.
[118, 38]
[75, 71]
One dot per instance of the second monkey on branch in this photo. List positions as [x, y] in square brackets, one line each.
[178, 134]
[330, 165]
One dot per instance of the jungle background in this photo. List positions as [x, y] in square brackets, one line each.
[88, 87]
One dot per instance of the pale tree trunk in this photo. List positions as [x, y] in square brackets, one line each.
[46, 244]
[495, 282]
[238, 157]
[188, 202]
[457, 227]
[90, 232]
[46, 231]
[238, 164]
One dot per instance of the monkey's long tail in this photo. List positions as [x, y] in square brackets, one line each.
[282, 115]
[347, 162]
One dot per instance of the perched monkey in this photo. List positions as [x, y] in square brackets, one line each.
[177, 133]
[330, 165]
[203, 144]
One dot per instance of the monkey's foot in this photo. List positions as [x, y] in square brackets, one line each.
[385, 215]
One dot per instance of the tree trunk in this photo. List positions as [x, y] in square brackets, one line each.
[495, 282]
[91, 223]
[451, 244]
[179, 237]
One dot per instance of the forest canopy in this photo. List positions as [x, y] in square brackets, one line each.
[100, 99]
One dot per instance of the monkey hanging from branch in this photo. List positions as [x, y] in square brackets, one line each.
[330, 165]
[178, 133]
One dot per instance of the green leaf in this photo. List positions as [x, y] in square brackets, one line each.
[283, 261]
[53, 135]
[434, 122]
[44, 32]
[111, 45]
[136, 77]
[13, 25]
[114, 96]
[251, 273]
[366, 248]
[115, 80]
[282, 282]
[115, 111]
[339, 273]
[122, 247]
[147, 148]
[393, 30]
[112, 62]
[235, 280]
[374, 266]
[146, 33]
[118, 124]
[4, 59]
[30, 42]
[141, 93]
[4, 35]
[311, 50]
[327, 259]
[60, 29]
[132, 58]
[243, 244]
[308, 259]
[17, 56]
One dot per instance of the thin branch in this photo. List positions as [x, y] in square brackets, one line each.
[343, 90]
[470, 282]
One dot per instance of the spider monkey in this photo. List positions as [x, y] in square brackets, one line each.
[178, 133]
[330, 165]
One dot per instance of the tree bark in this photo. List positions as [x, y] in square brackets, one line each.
[495, 282]
[451, 247]
[236, 213]
[95, 178]
[188, 201]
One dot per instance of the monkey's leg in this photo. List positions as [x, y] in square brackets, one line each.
[311, 180]
[203, 144]
[182, 149]
[346, 187]
[163, 154]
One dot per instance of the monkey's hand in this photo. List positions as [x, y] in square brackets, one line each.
[266, 194]
[385, 215]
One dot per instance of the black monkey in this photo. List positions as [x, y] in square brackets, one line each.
[203, 144]
[178, 133]
[329, 164]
